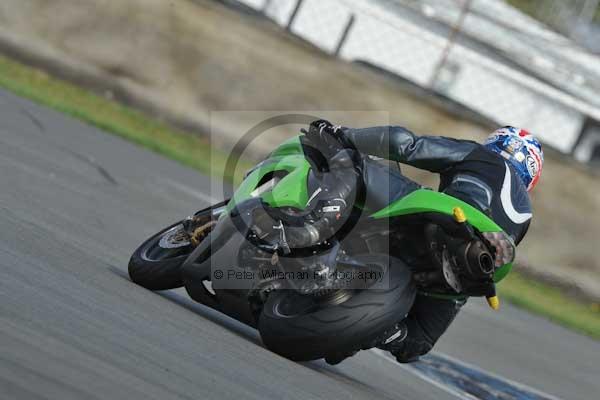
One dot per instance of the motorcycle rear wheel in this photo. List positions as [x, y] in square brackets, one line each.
[306, 330]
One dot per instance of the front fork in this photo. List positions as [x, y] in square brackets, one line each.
[207, 269]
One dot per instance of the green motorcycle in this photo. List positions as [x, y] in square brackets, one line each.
[321, 276]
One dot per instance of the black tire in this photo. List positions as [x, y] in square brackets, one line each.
[338, 329]
[160, 272]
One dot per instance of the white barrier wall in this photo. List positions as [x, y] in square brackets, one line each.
[400, 43]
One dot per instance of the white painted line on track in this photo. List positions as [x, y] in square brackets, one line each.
[459, 395]
[190, 191]
[516, 384]
[457, 392]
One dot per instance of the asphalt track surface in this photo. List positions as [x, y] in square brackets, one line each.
[75, 202]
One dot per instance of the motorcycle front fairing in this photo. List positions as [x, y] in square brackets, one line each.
[280, 182]
[210, 272]
[221, 274]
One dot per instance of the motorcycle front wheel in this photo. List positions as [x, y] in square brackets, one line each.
[157, 263]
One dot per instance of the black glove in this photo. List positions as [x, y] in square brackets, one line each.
[328, 138]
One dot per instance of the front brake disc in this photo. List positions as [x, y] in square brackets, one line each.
[174, 238]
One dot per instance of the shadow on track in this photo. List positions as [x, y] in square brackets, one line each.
[221, 319]
[336, 373]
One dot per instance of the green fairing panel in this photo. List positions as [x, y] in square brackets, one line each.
[502, 272]
[291, 190]
[424, 201]
[289, 147]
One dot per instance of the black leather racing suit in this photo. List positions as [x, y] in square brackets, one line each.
[469, 172]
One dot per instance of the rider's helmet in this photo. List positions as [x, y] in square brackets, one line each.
[522, 150]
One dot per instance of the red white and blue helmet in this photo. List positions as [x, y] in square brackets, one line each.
[522, 150]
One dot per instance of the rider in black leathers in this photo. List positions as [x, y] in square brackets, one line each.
[494, 177]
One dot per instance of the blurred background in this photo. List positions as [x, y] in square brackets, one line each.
[448, 67]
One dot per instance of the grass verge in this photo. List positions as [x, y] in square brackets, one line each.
[189, 149]
[550, 302]
[196, 152]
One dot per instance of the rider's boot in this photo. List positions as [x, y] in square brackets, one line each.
[392, 340]
[395, 341]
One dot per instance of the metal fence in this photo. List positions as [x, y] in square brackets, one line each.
[483, 54]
